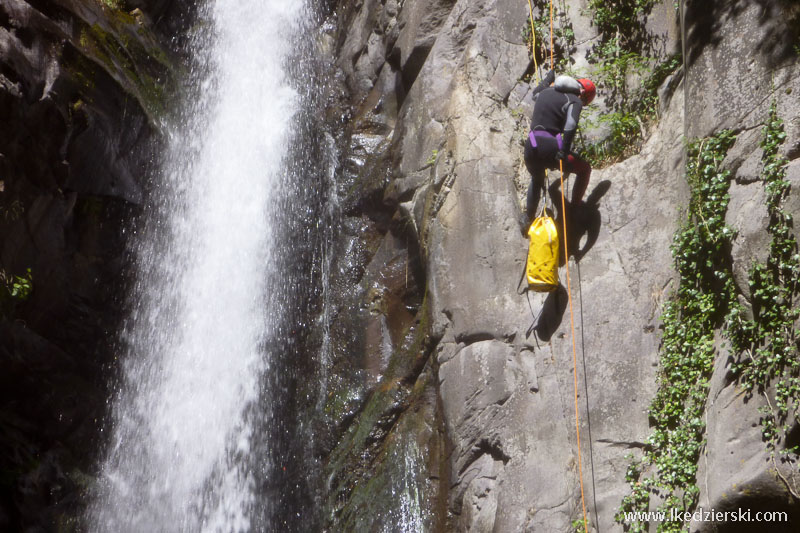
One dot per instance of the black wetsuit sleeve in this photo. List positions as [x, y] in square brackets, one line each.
[548, 80]
[571, 124]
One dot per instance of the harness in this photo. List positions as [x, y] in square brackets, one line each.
[544, 133]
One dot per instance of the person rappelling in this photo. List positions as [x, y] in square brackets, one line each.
[554, 122]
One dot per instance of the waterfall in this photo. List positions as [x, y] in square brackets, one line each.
[195, 350]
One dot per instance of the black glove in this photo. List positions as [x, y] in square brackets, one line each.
[561, 156]
[550, 77]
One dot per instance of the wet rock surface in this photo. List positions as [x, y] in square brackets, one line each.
[81, 87]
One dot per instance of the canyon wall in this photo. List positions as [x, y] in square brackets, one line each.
[433, 168]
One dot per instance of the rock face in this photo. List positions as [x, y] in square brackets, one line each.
[81, 87]
[443, 80]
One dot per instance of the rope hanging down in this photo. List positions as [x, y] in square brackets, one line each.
[569, 284]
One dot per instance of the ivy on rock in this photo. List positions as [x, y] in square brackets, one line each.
[767, 344]
[765, 359]
[706, 289]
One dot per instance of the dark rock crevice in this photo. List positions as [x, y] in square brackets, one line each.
[75, 154]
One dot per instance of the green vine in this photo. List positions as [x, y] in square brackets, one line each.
[767, 345]
[701, 302]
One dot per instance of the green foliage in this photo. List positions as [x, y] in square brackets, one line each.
[704, 296]
[617, 144]
[20, 287]
[617, 64]
[646, 101]
[14, 290]
[768, 344]
[626, 127]
[579, 526]
[619, 55]
[618, 15]
[563, 41]
[619, 52]
[527, 36]
[630, 113]
[639, 498]
[432, 159]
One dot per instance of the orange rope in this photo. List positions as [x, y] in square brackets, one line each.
[574, 349]
[571, 312]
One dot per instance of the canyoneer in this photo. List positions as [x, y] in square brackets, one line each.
[554, 122]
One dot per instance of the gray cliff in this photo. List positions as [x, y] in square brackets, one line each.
[441, 103]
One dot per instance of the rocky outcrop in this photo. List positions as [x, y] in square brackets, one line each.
[437, 89]
[456, 179]
[82, 84]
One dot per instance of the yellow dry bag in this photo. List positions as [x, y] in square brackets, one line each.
[542, 267]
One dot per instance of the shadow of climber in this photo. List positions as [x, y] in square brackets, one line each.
[552, 313]
[582, 220]
[585, 220]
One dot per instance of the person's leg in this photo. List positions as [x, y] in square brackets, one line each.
[536, 184]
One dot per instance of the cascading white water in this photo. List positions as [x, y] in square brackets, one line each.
[194, 358]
